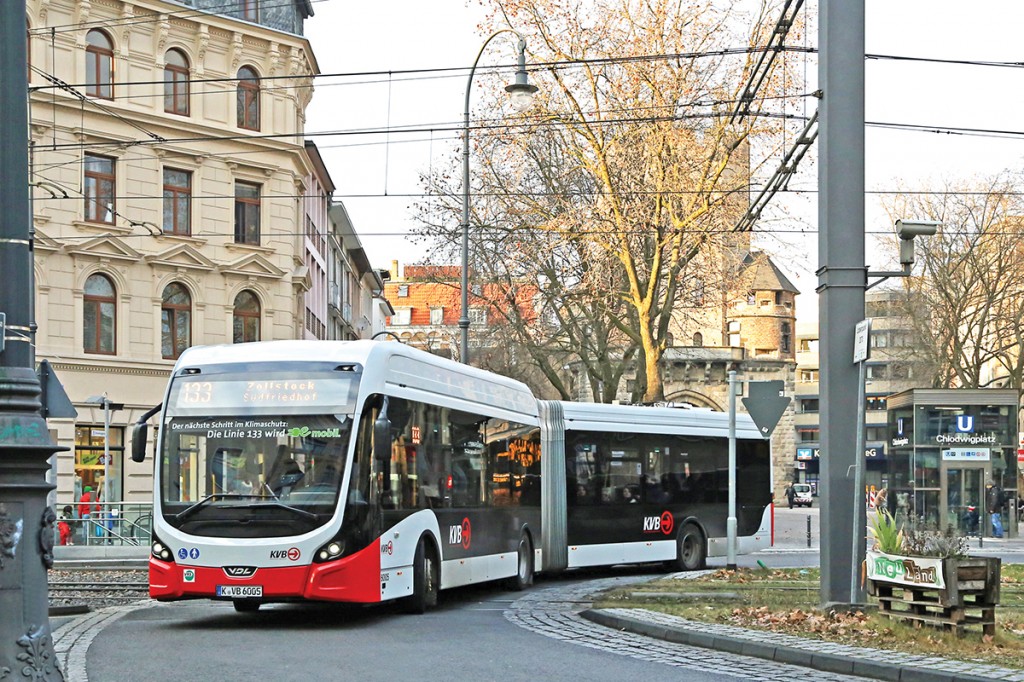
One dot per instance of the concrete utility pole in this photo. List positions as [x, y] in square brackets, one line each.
[842, 277]
[26, 522]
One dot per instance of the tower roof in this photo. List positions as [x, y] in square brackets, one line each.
[766, 276]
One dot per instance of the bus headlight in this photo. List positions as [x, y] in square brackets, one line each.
[329, 552]
[160, 551]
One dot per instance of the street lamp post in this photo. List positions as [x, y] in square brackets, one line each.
[522, 94]
[26, 521]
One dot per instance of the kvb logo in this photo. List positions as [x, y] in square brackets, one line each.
[461, 534]
[663, 523]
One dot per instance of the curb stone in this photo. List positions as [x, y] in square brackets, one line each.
[861, 661]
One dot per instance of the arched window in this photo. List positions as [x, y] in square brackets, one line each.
[248, 99]
[99, 65]
[698, 340]
[246, 318]
[99, 316]
[176, 85]
[176, 320]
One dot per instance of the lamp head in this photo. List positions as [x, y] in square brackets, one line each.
[521, 92]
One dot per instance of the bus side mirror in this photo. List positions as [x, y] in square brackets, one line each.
[139, 436]
[140, 432]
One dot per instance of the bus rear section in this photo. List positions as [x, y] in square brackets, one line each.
[646, 484]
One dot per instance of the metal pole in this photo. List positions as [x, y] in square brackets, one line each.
[106, 448]
[841, 276]
[859, 513]
[731, 522]
[26, 521]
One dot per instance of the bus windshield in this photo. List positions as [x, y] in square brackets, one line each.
[254, 456]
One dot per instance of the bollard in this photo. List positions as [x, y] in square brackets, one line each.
[808, 530]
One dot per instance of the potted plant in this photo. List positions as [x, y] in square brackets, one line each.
[928, 576]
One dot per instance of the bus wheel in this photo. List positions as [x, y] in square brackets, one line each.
[692, 551]
[524, 566]
[246, 605]
[424, 580]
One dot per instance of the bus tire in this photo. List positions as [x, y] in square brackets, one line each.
[691, 549]
[246, 605]
[524, 565]
[424, 580]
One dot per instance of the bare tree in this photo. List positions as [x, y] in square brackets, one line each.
[968, 302]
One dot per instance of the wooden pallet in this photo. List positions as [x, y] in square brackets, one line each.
[969, 598]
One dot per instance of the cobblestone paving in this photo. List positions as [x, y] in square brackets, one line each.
[554, 612]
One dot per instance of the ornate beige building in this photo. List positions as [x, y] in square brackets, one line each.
[170, 184]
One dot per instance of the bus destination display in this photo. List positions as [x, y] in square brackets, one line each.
[204, 394]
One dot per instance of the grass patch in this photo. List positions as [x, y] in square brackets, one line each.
[787, 600]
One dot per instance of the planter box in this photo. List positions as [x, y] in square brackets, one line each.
[949, 593]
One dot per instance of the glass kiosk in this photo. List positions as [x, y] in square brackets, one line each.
[945, 447]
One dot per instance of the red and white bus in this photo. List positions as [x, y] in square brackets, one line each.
[362, 471]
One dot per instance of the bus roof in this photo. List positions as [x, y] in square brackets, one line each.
[385, 363]
[642, 419]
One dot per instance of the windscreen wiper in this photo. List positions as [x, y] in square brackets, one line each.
[189, 511]
[278, 504]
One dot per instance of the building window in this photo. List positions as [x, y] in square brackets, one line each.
[176, 86]
[877, 372]
[251, 10]
[247, 213]
[99, 189]
[698, 340]
[246, 318]
[90, 465]
[403, 290]
[99, 65]
[176, 321]
[786, 337]
[808, 435]
[778, 298]
[248, 99]
[477, 315]
[99, 315]
[808, 375]
[437, 316]
[809, 405]
[733, 328]
[401, 317]
[177, 201]
[751, 298]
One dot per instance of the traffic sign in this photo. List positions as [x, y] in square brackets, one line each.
[861, 341]
[766, 404]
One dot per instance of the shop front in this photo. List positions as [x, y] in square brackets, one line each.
[947, 447]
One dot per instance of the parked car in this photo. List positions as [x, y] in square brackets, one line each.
[801, 495]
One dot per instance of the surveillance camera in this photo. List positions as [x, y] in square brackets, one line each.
[908, 229]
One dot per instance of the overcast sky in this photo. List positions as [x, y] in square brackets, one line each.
[377, 176]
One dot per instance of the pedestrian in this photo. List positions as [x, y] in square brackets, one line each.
[86, 509]
[790, 495]
[63, 527]
[994, 502]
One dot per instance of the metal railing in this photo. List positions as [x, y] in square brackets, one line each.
[104, 523]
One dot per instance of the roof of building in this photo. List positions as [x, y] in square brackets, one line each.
[766, 275]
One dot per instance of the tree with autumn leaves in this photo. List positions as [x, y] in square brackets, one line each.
[615, 196]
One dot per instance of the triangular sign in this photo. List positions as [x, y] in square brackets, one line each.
[766, 404]
[56, 404]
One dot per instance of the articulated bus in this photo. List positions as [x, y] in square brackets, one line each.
[364, 471]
